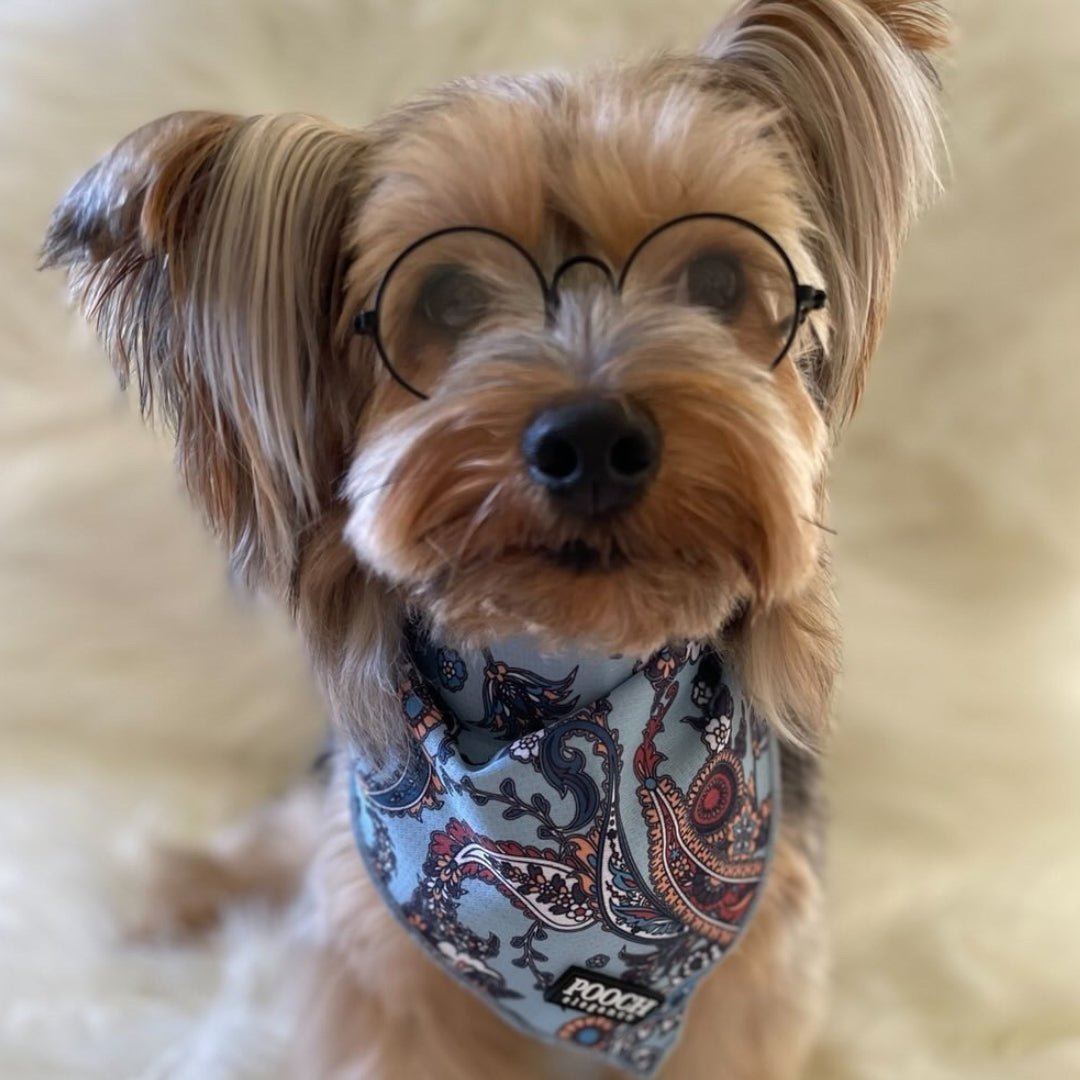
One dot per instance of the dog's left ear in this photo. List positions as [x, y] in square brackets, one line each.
[852, 88]
[209, 251]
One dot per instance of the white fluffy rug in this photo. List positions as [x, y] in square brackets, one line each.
[139, 692]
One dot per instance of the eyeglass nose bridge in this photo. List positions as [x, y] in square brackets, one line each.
[577, 260]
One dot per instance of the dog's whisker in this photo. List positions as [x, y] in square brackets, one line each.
[430, 542]
[358, 496]
[428, 539]
[475, 517]
[819, 525]
[483, 512]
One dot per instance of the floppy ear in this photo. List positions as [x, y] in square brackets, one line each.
[854, 92]
[208, 250]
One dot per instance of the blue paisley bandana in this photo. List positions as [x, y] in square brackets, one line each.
[577, 839]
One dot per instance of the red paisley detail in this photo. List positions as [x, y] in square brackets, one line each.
[457, 835]
[571, 887]
[716, 799]
[694, 870]
[647, 759]
[452, 839]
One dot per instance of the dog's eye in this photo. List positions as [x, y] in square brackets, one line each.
[716, 280]
[452, 299]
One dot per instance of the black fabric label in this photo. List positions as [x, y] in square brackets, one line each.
[601, 995]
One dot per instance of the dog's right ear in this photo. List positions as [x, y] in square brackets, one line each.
[208, 249]
[852, 89]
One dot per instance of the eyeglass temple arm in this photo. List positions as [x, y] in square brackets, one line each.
[808, 299]
[364, 323]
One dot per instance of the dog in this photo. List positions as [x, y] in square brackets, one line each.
[522, 400]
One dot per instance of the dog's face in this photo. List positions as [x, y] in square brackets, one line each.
[620, 466]
[614, 442]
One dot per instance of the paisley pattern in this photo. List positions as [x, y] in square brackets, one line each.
[558, 812]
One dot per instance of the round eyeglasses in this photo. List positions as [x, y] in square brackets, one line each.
[456, 284]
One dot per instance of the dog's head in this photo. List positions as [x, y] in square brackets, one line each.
[537, 353]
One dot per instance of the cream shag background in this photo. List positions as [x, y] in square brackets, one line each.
[139, 692]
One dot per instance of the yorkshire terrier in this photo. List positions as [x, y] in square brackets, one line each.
[522, 400]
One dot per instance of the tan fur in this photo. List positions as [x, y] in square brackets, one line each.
[789, 655]
[223, 260]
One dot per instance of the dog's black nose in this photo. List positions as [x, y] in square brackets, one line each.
[594, 454]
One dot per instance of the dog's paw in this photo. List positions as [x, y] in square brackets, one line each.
[177, 893]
